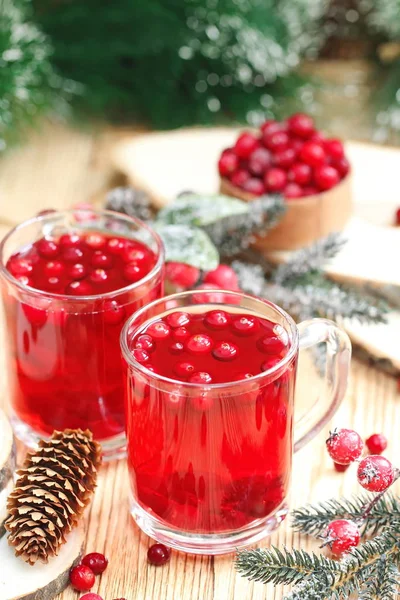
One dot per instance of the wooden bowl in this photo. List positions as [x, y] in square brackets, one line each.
[306, 219]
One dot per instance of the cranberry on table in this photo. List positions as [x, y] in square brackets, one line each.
[240, 177]
[95, 561]
[301, 125]
[326, 177]
[91, 596]
[312, 154]
[181, 275]
[254, 186]
[228, 163]
[342, 535]
[158, 554]
[344, 446]
[275, 179]
[82, 578]
[245, 145]
[223, 276]
[376, 443]
[260, 160]
[375, 473]
[340, 468]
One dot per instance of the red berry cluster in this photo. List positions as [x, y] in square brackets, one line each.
[290, 157]
[82, 577]
[375, 473]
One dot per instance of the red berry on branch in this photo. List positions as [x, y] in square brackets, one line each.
[301, 125]
[227, 164]
[240, 177]
[158, 554]
[275, 179]
[300, 173]
[245, 145]
[334, 148]
[326, 177]
[223, 276]
[95, 561]
[82, 578]
[342, 535]
[375, 473]
[312, 154]
[260, 160]
[344, 446]
[376, 443]
[182, 276]
[254, 186]
[340, 468]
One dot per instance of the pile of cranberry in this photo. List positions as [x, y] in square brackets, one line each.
[375, 473]
[290, 157]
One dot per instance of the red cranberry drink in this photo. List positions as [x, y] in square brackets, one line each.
[209, 412]
[70, 281]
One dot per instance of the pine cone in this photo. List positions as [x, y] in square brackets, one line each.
[129, 201]
[54, 486]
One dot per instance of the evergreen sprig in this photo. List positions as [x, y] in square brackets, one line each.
[313, 520]
[319, 578]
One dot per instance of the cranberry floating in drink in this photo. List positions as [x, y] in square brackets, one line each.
[209, 411]
[70, 280]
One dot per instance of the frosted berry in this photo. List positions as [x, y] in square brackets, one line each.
[47, 248]
[134, 271]
[376, 443]
[72, 254]
[326, 177]
[200, 377]
[101, 260]
[259, 161]
[285, 158]
[79, 288]
[375, 473]
[140, 355]
[245, 145]
[344, 446]
[225, 351]
[114, 313]
[98, 276]
[95, 561]
[158, 330]
[181, 275]
[184, 369]
[177, 319]
[217, 319]
[77, 271]
[340, 468]
[275, 179]
[300, 173]
[223, 276]
[292, 190]
[245, 326]
[91, 596]
[158, 554]
[199, 343]
[145, 342]
[342, 166]
[227, 164]
[312, 154]
[342, 535]
[254, 186]
[301, 125]
[82, 578]
[276, 141]
[334, 148]
[240, 177]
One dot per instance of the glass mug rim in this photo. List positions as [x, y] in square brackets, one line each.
[131, 362]
[4, 272]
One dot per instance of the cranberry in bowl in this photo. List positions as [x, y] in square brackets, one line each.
[69, 281]
[210, 415]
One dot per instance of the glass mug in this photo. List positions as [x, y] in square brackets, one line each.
[63, 350]
[210, 464]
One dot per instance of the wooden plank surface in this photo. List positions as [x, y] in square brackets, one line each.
[74, 165]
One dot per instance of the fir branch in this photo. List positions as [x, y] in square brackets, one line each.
[383, 581]
[283, 567]
[250, 276]
[313, 520]
[308, 260]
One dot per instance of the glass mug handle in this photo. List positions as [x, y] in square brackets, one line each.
[317, 331]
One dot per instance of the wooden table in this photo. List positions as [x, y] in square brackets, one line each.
[59, 167]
